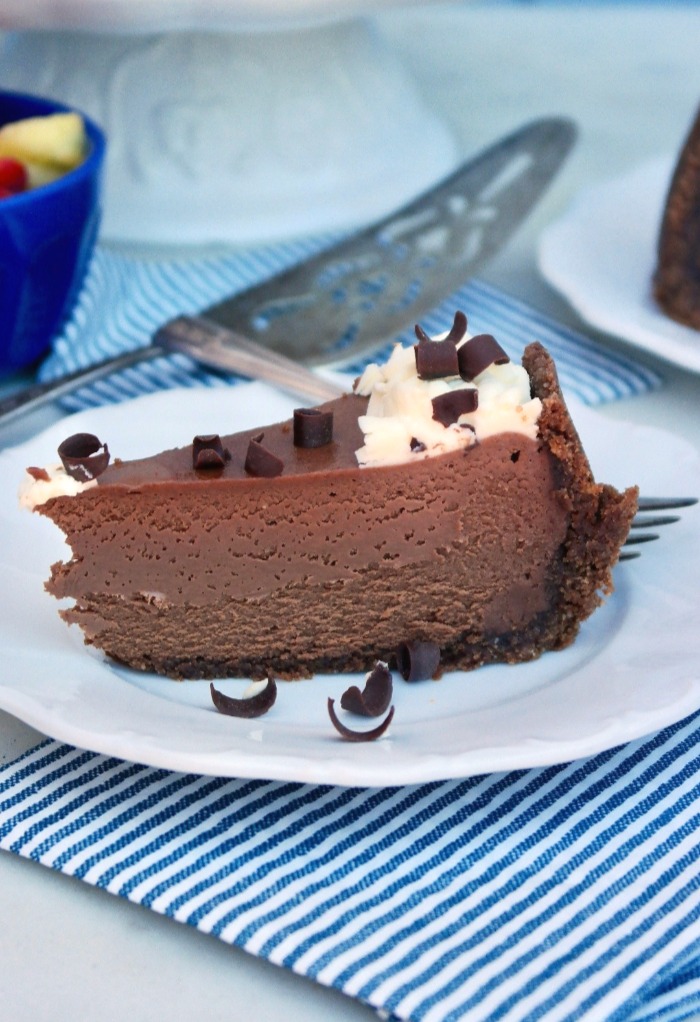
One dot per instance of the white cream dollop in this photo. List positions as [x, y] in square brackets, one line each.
[34, 492]
[399, 425]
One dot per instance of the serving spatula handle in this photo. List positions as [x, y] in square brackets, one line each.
[37, 394]
[228, 350]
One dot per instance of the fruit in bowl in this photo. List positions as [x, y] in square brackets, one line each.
[37, 150]
[51, 163]
[14, 177]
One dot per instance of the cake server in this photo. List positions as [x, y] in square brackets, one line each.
[367, 289]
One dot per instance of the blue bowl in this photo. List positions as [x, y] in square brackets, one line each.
[47, 236]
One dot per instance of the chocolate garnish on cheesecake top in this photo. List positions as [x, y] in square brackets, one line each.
[84, 456]
[313, 427]
[208, 452]
[477, 354]
[448, 407]
[437, 359]
[261, 462]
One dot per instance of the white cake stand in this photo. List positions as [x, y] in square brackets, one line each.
[233, 121]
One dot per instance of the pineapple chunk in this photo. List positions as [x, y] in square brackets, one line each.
[57, 140]
[42, 173]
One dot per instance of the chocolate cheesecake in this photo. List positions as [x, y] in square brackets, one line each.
[435, 503]
[676, 281]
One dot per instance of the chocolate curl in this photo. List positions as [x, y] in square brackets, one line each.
[435, 360]
[83, 456]
[477, 354]
[448, 407]
[261, 462]
[209, 452]
[312, 427]
[458, 329]
[375, 697]
[417, 661]
[359, 736]
[247, 709]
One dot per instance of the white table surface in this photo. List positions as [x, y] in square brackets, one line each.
[629, 75]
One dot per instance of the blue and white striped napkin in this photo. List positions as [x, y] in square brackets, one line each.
[567, 892]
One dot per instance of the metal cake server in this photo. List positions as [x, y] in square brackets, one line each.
[368, 288]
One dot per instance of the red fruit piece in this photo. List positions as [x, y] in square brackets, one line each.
[13, 175]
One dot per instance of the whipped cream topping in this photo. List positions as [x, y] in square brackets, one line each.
[34, 492]
[399, 423]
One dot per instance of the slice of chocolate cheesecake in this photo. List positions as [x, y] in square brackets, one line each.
[446, 500]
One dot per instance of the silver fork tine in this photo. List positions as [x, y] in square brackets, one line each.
[642, 521]
[640, 537]
[653, 521]
[664, 503]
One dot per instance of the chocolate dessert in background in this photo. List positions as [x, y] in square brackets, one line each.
[676, 283]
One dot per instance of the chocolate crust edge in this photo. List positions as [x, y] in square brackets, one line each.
[599, 515]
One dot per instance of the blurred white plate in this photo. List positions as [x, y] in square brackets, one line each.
[601, 256]
[634, 668]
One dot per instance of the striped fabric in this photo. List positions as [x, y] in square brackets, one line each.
[571, 892]
[126, 299]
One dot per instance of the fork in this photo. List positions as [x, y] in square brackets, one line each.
[643, 521]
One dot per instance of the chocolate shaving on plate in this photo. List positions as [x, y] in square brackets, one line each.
[374, 698]
[209, 452]
[358, 736]
[417, 660]
[312, 427]
[478, 353]
[84, 457]
[448, 407]
[254, 706]
[261, 462]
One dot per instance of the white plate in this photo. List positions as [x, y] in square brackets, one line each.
[601, 256]
[634, 668]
